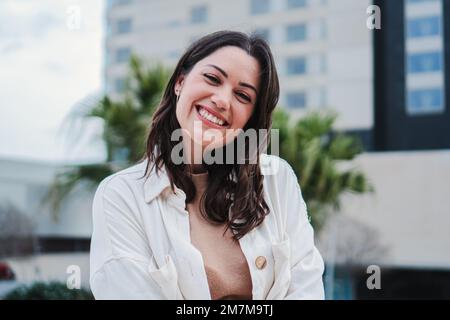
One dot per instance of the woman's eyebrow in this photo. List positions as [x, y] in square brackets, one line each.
[226, 76]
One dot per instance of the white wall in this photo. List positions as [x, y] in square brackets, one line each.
[410, 208]
[23, 182]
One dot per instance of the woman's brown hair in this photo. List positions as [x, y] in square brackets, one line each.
[235, 191]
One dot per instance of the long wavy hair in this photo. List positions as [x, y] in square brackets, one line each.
[235, 191]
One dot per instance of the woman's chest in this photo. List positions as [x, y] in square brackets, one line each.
[172, 232]
[225, 264]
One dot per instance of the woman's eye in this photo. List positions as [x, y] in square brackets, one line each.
[212, 78]
[244, 97]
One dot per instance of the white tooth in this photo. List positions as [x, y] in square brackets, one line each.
[205, 114]
[215, 119]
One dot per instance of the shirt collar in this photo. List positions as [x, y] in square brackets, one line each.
[157, 183]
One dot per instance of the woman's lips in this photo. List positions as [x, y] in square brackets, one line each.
[207, 122]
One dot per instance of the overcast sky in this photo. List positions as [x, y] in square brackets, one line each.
[50, 59]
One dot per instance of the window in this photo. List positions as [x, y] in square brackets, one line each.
[296, 100]
[296, 4]
[425, 99]
[296, 32]
[259, 6]
[296, 66]
[123, 26]
[425, 62]
[424, 27]
[424, 57]
[123, 55]
[199, 14]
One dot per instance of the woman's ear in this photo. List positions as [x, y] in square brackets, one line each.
[179, 84]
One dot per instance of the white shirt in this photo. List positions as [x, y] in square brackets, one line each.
[141, 248]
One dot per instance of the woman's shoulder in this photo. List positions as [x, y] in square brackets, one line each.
[124, 180]
[279, 176]
[275, 166]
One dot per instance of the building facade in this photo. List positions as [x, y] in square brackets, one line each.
[412, 54]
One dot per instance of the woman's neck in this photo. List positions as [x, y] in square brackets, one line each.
[197, 168]
[193, 153]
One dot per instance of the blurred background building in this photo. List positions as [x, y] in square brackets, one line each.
[411, 75]
[48, 244]
[322, 49]
[390, 87]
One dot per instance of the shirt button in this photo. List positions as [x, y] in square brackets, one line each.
[260, 262]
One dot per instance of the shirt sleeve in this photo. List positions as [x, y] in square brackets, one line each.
[121, 260]
[307, 265]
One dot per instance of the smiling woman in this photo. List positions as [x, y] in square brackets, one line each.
[207, 231]
[217, 98]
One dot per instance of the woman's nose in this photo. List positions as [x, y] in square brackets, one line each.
[222, 99]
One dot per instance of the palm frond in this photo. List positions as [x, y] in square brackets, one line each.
[125, 123]
[314, 150]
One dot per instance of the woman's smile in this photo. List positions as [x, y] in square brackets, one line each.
[206, 115]
[222, 88]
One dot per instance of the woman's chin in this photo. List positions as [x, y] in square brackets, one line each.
[210, 146]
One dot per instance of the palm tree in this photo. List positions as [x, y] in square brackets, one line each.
[125, 124]
[315, 153]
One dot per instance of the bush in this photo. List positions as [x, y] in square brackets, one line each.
[48, 291]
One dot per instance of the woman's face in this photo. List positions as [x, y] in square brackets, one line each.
[217, 97]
